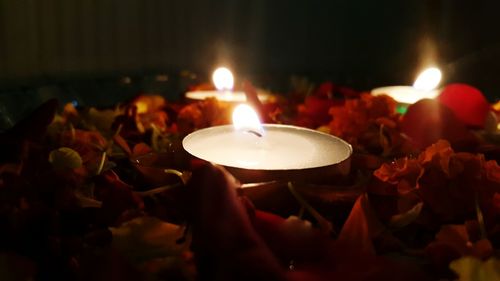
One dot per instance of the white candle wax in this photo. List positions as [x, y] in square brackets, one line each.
[405, 94]
[223, 80]
[225, 96]
[424, 88]
[281, 147]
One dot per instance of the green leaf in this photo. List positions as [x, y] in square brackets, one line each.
[65, 158]
[404, 219]
[474, 269]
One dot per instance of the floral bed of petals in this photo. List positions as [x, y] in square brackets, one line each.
[98, 194]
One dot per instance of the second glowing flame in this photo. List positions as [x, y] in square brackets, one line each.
[223, 79]
[428, 80]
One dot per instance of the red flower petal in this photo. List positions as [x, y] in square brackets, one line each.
[427, 121]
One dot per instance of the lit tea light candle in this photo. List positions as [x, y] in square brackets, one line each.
[277, 151]
[424, 88]
[223, 80]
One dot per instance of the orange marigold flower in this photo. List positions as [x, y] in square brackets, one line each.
[149, 103]
[397, 170]
[358, 120]
[206, 113]
[149, 111]
[450, 184]
[492, 171]
[437, 154]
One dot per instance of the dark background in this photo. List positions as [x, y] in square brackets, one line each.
[361, 43]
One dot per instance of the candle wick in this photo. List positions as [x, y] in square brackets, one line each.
[255, 133]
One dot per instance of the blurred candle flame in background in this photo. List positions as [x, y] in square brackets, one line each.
[223, 79]
[428, 80]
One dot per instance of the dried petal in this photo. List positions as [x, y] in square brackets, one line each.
[65, 158]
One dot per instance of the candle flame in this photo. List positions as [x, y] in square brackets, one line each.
[428, 80]
[245, 118]
[223, 79]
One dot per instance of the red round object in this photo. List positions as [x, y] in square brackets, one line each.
[468, 103]
[428, 121]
